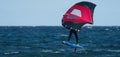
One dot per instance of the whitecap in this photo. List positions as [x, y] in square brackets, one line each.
[63, 35]
[107, 29]
[7, 53]
[114, 51]
[98, 50]
[50, 51]
[27, 47]
[56, 52]
[46, 51]
[61, 49]
[89, 27]
[108, 50]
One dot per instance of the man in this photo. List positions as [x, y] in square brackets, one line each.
[76, 36]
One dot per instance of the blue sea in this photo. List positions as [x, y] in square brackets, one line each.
[46, 41]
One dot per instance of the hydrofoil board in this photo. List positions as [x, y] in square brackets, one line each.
[72, 44]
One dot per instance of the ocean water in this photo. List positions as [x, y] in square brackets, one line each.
[46, 41]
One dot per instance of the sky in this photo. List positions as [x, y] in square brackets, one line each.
[50, 12]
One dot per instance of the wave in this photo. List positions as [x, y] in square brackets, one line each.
[64, 35]
[7, 53]
[107, 50]
[117, 51]
[52, 51]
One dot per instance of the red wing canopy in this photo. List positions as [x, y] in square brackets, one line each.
[78, 15]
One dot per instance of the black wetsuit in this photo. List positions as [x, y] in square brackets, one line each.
[75, 33]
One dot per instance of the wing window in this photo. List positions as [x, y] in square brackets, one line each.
[76, 12]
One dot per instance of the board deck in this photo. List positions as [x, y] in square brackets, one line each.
[72, 44]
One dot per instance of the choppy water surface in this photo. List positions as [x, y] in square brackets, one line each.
[46, 41]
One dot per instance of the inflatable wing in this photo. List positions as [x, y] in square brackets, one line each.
[78, 15]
